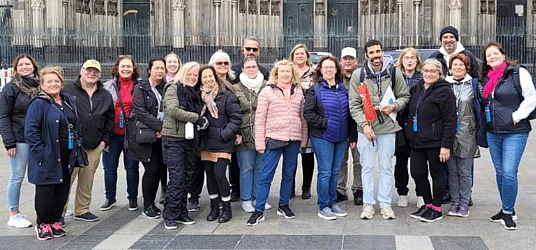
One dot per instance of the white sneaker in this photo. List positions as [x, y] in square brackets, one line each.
[18, 220]
[267, 206]
[69, 212]
[247, 206]
[420, 201]
[387, 213]
[402, 201]
[368, 212]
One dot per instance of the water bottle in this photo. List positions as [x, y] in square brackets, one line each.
[415, 123]
[71, 139]
[189, 131]
[121, 120]
[458, 121]
[488, 113]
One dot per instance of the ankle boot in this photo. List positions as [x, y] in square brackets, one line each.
[214, 210]
[226, 213]
[306, 193]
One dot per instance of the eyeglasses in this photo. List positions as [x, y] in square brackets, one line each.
[424, 71]
[92, 71]
[251, 49]
[222, 63]
[409, 58]
[250, 67]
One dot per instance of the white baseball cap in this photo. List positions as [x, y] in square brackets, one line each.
[348, 51]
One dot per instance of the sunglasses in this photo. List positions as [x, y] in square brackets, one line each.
[251, 49]
[222, 63]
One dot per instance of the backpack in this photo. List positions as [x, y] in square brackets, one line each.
[517, 85]
[393, 76]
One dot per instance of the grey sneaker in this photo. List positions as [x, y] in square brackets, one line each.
[454, 209]
[463, 211]
[326, 214]
[193, 205]
[338, 211]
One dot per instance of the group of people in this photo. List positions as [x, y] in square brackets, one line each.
[185, 121]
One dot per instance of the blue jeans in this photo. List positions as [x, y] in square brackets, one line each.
[384, 146]
[329, 156]
[506, 151]
[250, 164]
[271, 159]
[110, 162]
[17, 169]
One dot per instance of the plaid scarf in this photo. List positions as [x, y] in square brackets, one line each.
[208, 94]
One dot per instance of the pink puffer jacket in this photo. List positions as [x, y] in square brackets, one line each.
[278, 119]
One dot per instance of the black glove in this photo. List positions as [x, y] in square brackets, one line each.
[202, 123]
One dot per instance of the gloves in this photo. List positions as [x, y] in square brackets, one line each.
[202, 123]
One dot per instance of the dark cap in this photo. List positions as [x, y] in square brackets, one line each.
[449, 29]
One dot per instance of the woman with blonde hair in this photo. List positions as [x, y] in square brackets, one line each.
[173, 65]
[280, 129]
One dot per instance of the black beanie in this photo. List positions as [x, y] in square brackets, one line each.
[449, 29]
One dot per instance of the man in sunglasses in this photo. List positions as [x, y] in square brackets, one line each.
[251, 48]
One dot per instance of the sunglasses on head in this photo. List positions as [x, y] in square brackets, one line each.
[222, 63]
[252, 49]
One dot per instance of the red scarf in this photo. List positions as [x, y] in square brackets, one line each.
[493, 78]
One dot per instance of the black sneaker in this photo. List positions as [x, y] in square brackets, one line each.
[418, 214]
[235, 196]
[358, 197]
[62, 221]
[185, 220]
[88, 216]
[43, 231]
[57, 230]
[170, 224]
[341, 197]
[285, 211]
[150, 212]
[158, 211]
[499, 216]
[133, 205]
[431, 215]
[108, 204]
[508, 222]
[193, 205]
[255, 218]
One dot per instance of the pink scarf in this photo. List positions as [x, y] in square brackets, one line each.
[493, 78]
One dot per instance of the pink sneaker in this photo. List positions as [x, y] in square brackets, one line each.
[57, 230]
[44, 232]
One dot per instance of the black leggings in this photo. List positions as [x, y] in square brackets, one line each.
[421, 161]
[50, 199]
[234, 174]
[217, 182]
[308, 168]
[196, 178]
[152, 175]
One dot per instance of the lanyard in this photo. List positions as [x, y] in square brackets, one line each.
[419, 101]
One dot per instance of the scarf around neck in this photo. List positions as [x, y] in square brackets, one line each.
[493, 79]
[253, 84]
[208, 94]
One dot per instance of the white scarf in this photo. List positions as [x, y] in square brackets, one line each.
[253, 84]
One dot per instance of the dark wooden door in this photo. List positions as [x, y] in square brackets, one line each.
[298, 23]
[511, 28]
[342, 17]
[136, 29]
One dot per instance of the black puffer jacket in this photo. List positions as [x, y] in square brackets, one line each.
[14, 103]
[144, 109]
[96, 113]
[436, 116]
[221, 133]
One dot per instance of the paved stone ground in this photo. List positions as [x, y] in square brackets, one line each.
[119, 228]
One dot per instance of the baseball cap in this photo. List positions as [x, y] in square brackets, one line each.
[348, 51]
[92, 64]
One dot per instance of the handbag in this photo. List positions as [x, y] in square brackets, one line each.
[144, 134]
[81, 155]
[273, 144]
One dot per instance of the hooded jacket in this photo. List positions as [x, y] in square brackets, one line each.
[42, 133]
[442, 56]
[374, 80]
[14, 102]
[96, 113]
[436, 116]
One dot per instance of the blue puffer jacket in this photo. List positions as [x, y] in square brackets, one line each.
[335, 125]
[41, 132]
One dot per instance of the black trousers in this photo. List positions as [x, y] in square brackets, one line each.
[152, 175]
[422, 161]
[401, 170]
[217, 177]
[308, 168]
[179, 157]
[197, 178]
[50, 199]
[234, 174]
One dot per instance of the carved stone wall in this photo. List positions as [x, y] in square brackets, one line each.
[112, 8]
[320, 10]
[242, 6]
[534, 7]
[487, 7]
[265, 7]
[252, 6]
[364, 7]
[98, 7]
[82, 6]
[276, 7]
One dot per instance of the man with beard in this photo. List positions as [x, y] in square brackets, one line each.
[349, 64]
[378, 136]
[96, 112]
[450, 45]
[251, 48]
